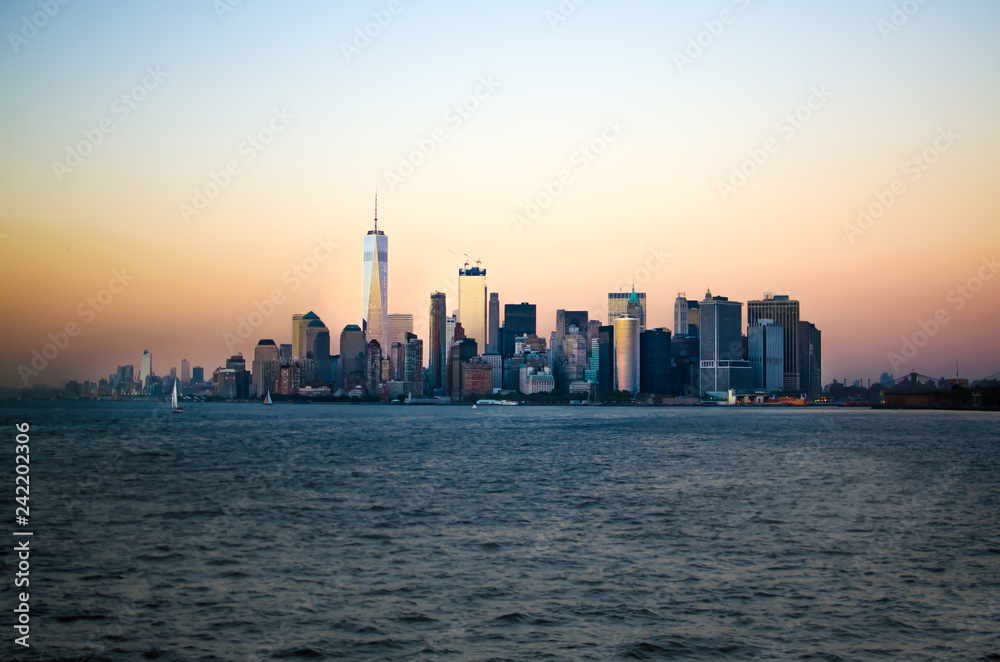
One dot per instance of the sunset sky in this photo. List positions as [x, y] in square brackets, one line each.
[116, 117]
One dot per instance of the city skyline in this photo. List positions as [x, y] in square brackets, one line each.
[805, 151]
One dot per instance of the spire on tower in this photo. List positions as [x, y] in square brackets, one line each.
[376, 209]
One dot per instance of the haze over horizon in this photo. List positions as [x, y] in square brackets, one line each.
[193, 157]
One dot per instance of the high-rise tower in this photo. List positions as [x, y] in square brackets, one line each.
[374, 284]
[627, 353]
[472, 304]
[784, 311]
[627, 303]
[438, 336]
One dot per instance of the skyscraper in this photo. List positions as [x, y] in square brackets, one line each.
[493, 341]
[374, 285]
[146, 369]
[627, 353]
[654, 361]
[352, 355]
[438, 335]
[373, 368]
[185, 371]
[721, 346]
[785, 313]
[766, 349]
[681, 315]
[627, 303]
[810, 360]
[472, 303]
[300, 339]
[399, 325]
[606, 359]
[518, 320]
[265, 367]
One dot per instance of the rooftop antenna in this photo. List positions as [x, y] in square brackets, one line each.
[376, 209]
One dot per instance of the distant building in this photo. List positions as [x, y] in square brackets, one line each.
[413, 360]
[721, 346]
[493, 320]
[533, 381]
[438, 334]
[146, 369]
[766, 346]
[785, 313]
[375, 286]
[399, 325]
[681, 315]
[286, 353]
[496, 362]
[462, 351]
[266, 367]
[627, 303]
[694, 318]
[238, 364]
[685, 366]
[373, 371]
[472, 303]
[627, 353]
[811, 360]
[477, 378]
[352, 356]
[654, 362]
[606, 359]
[518, 320]
[300, 338]
[198, 374]
[185, 371]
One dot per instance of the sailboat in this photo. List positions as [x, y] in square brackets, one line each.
[267, 400]
[175, 407]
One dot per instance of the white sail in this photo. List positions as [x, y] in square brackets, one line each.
[267, 400]
[174, 405]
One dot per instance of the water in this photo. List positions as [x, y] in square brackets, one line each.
[241, 532]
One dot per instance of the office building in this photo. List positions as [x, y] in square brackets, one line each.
[286, 353]
[784, 312]
[438, 335]
[627, 353]
[374, 285]
[810, 360]
[352, 356]
[145, 369]
[185, 371]
[373, 368]
[518, 320]
[265, 367]
[477, 379]
[627, 303]
[684, 366]
[198, 374]
[472, 303]
[722, 366]
[496, 361]
[413, 360]
[654, 362]
[493, 341]
[766, 349]
[399, 325]
[300, 340]
[681, 314]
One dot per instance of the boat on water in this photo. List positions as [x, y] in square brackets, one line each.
[267, 400]
[502, 403]
[175, 407]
